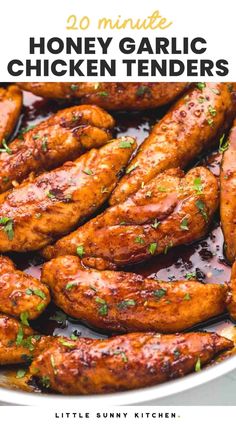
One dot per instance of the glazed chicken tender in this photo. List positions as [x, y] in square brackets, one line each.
[124, 362]
[36, 212]
[10, 109]
[228, 196]
[232, 293]
[64, 136]
[111, 95]
[16, 341]
[192, 125]
[122, 301]
[21, 293]
[171, 210]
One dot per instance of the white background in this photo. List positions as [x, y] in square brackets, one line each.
[210, 19]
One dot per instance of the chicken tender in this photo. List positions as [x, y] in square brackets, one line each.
[125, 302]
[64, 136]
[111, 95]
[124, 362]
[171, 210]
[10, 109]
[16, 341]
[232, 293]
[228, 195]
[192, 125]
[35, 213]
[21, 293]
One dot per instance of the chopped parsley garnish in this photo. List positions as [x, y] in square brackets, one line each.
[187, 296]
[51, 194]
[215, 91]
[8, 226]
[37, 292]
[143, 89]
[25, 130]
[126, 303]
[5, 149]
[52, 360]
[167, 247]
[45, 382]
[36, 137]
[155, 224]
[152, 248]
[126, 144]
[212, 110]
[66, 343]
[139, 240]
[197, 185]
[24, 318]
[44, 144]
[103, 309]
[80, 251]
[87, 171]
[202, 209]
[184, 224]
[131, 168]
[73, 87]
[198, 365]
[162, 189]
[20, 373]
[20, 336]
[73, 337]
[224, 144]
[160, 293]
[69, 286]
[190, 275]
[122, 354]
[103, 93]
[201, 85]
[41, 306]
[210, 122]
[176, 353]
[104, 190]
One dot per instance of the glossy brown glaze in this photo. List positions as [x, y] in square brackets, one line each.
[228, 195]
[232, 303]
[21, 293]
[111, 95]
[16, 341]
[55, 202]
[124, 362]
[169, 211]
[10, 109]
[125, 302]
[64, 136]
[193, 124]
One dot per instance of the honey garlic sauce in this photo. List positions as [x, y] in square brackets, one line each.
[203, 260]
